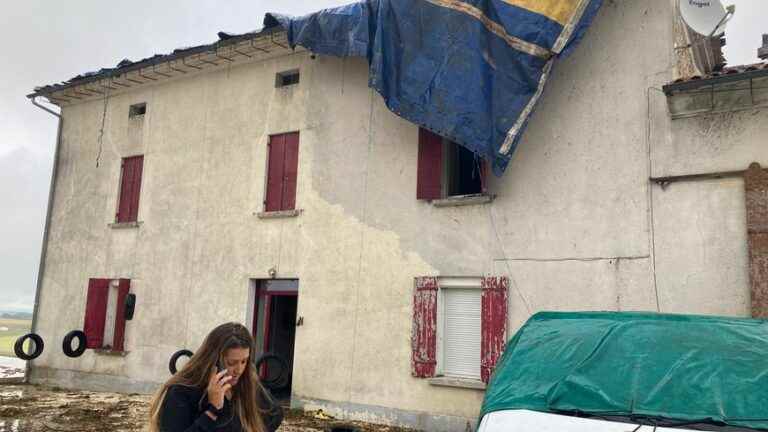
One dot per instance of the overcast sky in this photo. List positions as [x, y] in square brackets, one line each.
[47, 41]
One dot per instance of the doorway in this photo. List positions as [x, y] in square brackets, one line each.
[274, 324]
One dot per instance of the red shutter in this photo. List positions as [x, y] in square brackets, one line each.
[123, 207]
[275, 173]
[291, 166]
[493, 323]
[122, 292]
[424, 332]
[138, 170]
[96, 312]
[430, 166]
[130, 189]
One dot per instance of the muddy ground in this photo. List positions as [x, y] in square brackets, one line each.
[26, 408]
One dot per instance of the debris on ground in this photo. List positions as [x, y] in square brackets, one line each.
[319, 414]
[10, 372]
[28, 408]
[11, 368]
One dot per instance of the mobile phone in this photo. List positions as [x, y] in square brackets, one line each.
[219, 366]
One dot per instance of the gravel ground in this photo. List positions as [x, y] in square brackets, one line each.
[26, 408]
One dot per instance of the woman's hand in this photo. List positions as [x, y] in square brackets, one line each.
[218, 385]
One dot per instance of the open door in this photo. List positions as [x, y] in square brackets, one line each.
[275, 331]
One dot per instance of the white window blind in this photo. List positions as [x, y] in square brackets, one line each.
[461, 332]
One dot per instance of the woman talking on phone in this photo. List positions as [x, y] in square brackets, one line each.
[202, 397]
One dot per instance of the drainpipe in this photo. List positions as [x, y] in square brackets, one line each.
[51, 190]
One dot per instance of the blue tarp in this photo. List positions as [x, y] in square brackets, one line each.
[469, 70]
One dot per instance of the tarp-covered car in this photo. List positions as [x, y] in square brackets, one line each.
[599, 371]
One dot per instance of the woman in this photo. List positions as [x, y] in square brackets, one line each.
[199, 398]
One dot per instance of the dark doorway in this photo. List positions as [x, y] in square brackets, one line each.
[275, 332]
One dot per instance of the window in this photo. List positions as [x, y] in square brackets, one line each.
[459, 326]
[282, 167]
[446, 169]
[287, 78]
[104, 325]
[130, 189]
[459, 335]
[137, 110]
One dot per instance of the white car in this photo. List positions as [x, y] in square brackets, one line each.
[623, 371]
[532, 421]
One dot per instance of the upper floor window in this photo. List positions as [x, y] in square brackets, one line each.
[287, 78]
[446, 169]
[130, 189]
[282, 171]
[137, 110]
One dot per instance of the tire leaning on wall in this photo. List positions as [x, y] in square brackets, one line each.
[18, 347]
[280, 380]
[175, 358]
[82, 343]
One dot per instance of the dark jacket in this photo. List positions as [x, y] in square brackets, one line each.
[183, 411]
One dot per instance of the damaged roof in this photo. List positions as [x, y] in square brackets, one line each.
[732, 73]
[228, 42]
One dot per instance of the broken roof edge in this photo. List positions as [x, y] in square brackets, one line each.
[728, 74]
[47, 90]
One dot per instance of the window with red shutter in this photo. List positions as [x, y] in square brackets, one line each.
[459, 326]
[446, 169]
[282, 172]
[130, 189]
[104, 325]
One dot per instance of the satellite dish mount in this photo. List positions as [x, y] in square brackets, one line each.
[706, 17]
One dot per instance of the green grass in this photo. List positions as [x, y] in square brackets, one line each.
[16, 328]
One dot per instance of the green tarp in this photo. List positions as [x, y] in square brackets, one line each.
[683, 368]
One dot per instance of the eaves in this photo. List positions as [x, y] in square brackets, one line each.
[228, 50]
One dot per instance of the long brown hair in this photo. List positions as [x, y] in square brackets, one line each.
[247, 395]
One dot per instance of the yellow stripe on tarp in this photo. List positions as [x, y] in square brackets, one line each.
[556, 10]
[494, 27]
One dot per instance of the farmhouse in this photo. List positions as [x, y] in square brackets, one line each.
[249, 181]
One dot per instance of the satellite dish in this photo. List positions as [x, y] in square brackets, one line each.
[706, 17]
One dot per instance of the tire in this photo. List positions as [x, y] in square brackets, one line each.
[341, 427]
[279, 380]
[18, 347]
[175, 358]
[82, 344]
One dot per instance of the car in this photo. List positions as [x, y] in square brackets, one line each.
[630, 371]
